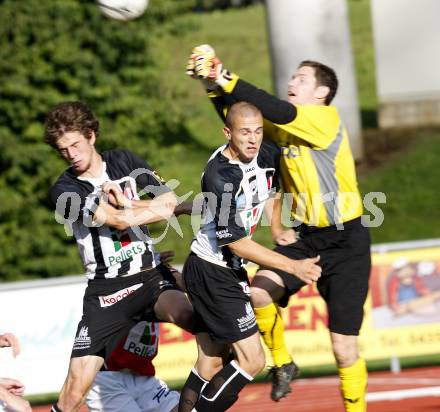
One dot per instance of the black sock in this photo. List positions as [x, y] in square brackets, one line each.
[55, 408]
[191, 391]
[223, 389]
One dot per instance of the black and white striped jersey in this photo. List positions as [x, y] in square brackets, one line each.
[107, 252]
[234, 197]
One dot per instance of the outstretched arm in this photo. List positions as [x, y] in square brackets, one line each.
[306, 269]
[145, 212]
[203, 64]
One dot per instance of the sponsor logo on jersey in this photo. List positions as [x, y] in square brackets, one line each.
[82, 340]
[124, 250]
[120, 240]
[223, 234]
[110, 300]
[249, 169]
[248, 321]
[142, 339]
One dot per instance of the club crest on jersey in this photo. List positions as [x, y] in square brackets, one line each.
[290, 152]
[250, 218]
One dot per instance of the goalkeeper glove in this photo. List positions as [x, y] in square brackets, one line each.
[206, 65]
[199, 65]
[202, 56]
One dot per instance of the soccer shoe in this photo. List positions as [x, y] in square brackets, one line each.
[281, 377]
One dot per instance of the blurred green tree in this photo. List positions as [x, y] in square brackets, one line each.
[58, 50]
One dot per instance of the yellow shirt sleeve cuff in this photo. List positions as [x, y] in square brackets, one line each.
[230, 85]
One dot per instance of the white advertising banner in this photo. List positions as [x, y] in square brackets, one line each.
[44, 317]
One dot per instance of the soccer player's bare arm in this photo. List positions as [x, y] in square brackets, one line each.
[306, 269]
[160, 208]
[273, 210]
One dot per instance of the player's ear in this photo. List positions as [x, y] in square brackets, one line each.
[92, 138]
[321, 92]
[227, 132]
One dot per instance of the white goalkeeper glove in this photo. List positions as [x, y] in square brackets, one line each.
[199, 65]
[208, 66]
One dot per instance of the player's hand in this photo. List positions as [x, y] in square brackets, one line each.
[115, 195]
[11, 395]
[285, 237]
[207, 66]
[12, 386]
[202, 57]
[190, 67]
[10, 340]
[307, 270]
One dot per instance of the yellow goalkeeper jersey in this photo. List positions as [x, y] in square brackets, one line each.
[317, 166]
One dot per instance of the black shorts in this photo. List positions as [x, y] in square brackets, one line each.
[111, 307]
[221, 300]
[346, 263]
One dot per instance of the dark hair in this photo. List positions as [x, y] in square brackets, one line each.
[69, 117]
[325, 76]
[244, 109]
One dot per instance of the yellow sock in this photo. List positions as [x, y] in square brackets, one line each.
[354, 386]
[270, 324]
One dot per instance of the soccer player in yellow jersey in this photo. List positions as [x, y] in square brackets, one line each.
[318, 173]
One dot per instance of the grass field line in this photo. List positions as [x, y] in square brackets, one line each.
[403, 394]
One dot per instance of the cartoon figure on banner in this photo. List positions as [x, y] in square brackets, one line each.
[407, 290]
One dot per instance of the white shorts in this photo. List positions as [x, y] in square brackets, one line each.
[122, 391]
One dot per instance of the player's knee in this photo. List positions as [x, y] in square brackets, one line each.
[260, 297]
[208, 369]
[345, 351]
[253, 362]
